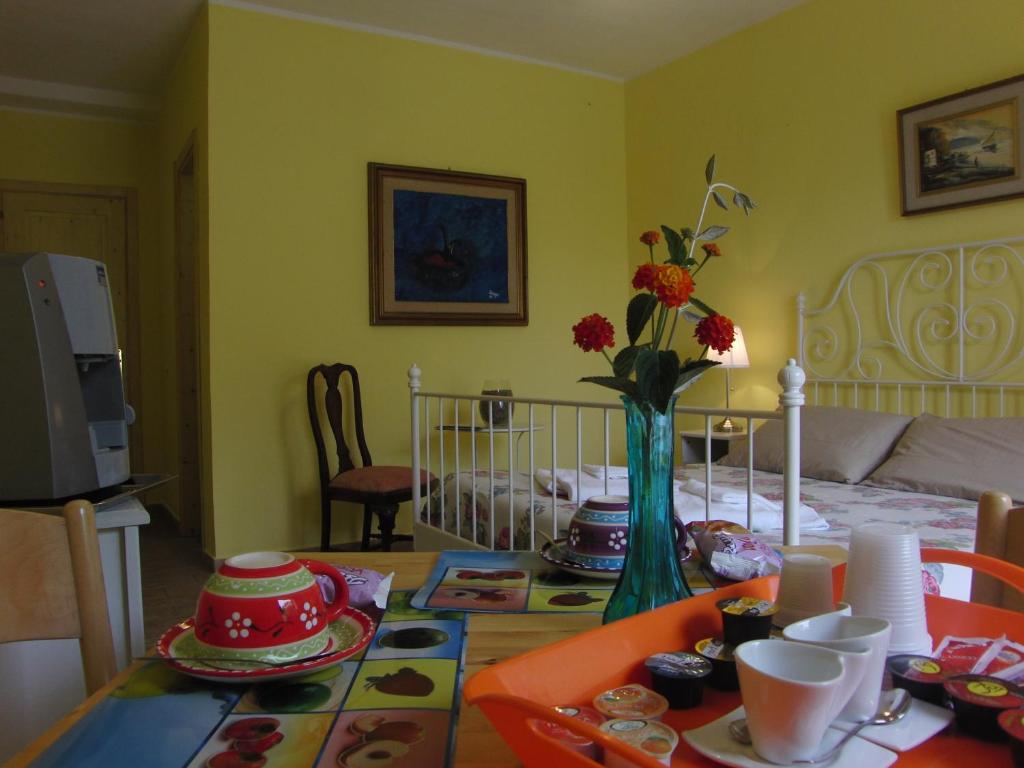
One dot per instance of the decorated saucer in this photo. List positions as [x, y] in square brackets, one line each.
[556, 552]
[349, 634]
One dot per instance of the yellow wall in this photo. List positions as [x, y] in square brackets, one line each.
[62, 149]
[296, 112]
[183, 115]
[801, 111]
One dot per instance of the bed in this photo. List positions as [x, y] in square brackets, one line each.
[916, 354]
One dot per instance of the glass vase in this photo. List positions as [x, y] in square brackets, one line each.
[651, 574]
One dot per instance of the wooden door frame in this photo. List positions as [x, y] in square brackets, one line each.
[130, 197]
[188, 155]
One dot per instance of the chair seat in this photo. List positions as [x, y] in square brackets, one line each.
[382, 480]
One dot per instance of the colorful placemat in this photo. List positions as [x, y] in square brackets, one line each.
[522, 582]
[398, 698]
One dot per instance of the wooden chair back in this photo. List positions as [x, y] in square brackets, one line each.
[334, 400]
[51, 585]
[1000, 533]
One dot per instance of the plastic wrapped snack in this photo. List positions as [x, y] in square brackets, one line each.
[732, 551]
[365, 587]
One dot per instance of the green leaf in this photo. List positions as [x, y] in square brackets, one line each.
[626, 386]
[709, 170]
[690, 372]
[740, 200]
[676, 246]
[687, 233]
[656, 374]
[702, 306]
[713, 232]
[623, 363]
[639, 311]
[720, 200]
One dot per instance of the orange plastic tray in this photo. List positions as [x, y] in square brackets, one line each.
[575, 670]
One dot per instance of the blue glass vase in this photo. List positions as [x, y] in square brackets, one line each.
[651, 574]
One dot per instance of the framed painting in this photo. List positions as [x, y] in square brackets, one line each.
[446, 248]
[963, 149]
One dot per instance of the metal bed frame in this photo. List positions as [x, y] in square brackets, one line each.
[439, 422]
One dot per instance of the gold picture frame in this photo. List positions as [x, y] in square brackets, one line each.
[963, 149]
[446, 247]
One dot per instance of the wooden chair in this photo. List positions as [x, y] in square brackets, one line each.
[1000, 534]
[51, 585]
[380, 489]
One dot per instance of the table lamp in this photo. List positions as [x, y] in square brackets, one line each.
[734, 357]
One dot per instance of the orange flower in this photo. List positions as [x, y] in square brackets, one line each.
[650, 237]
[711, 249]
[673, 284]
[593, 333]
[645, 277]
[715, 331]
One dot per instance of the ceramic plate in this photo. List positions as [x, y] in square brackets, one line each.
[714, 742]
[555, 553]
[349, 634]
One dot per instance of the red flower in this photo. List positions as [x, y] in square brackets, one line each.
[593, 333]
[645, 277]
[650, 237]
[711, 249]
[715, 331]
[673, 284]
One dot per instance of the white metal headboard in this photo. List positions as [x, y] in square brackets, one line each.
[935, 330]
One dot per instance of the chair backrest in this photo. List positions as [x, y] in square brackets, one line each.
[52, 585]
[1000, 534]
[333, 376]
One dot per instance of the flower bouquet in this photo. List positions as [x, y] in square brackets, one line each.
[650, 375]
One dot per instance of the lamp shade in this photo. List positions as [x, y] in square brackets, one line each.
[735, 356]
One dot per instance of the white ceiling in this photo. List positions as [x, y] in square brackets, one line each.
[110, 56]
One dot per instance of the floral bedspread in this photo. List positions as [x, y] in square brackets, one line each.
[939, 521]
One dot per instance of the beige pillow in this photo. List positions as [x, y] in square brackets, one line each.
[962, 458]
[839, 444]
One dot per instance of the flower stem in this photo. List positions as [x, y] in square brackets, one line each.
[671, 333]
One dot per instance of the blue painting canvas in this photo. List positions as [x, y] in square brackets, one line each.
[450, 248]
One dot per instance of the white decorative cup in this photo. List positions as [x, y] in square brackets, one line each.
[792, 692]
[850, 633]
[805, 588]
[883, 579]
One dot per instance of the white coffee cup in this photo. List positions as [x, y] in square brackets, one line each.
[792, 692]
[850, 633]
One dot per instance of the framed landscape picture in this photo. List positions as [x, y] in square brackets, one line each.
[963, 149]
[446, 248]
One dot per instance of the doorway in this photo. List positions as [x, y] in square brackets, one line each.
[98, 223]
[190, 513]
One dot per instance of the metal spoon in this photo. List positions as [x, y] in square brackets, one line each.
[897, 707]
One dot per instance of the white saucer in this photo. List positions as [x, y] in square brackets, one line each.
[923, 721]
[714, 742]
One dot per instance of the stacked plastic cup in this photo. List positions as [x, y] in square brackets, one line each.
[883, 579]
[805, 588]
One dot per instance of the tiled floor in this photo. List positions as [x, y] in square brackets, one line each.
[174, 569]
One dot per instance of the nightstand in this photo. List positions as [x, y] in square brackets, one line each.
[692, 444]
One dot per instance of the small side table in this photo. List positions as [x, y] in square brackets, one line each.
[692, 444]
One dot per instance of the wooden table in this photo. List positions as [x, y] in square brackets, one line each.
[492, 638]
